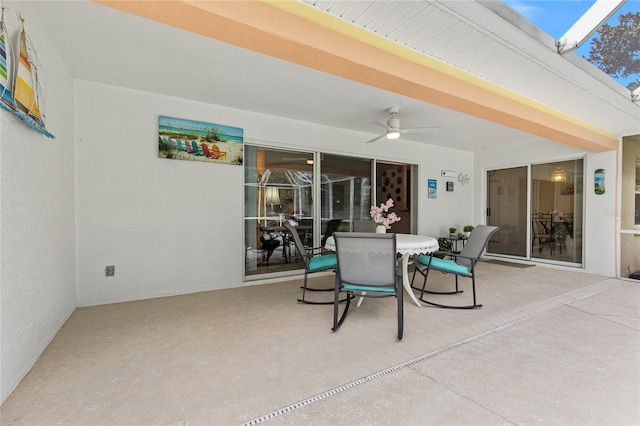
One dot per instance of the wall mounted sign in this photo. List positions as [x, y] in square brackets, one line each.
[599, 184]
[464, 178]
[182, 139]
[433, 188]
[449, 186]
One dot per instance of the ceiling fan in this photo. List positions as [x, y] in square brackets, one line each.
[393, 126]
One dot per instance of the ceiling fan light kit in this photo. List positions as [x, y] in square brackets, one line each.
[393, 134]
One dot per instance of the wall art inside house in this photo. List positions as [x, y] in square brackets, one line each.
[182, 139]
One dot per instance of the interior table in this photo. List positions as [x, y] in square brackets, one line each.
[406, 245]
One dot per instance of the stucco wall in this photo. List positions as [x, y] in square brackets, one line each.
[174, 227]
[37, 236]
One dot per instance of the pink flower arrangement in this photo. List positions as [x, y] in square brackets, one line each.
[556, 215]
[381, 215]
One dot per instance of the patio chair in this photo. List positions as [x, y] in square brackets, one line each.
[364, 226]
[366, 268]
[462, 264]
[313, 260]
[332, 226]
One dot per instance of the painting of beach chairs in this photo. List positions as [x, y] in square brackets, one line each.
[181, 139]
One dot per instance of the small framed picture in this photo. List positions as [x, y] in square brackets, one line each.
[433, 188]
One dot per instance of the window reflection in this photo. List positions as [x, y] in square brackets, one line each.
[556, 207]
[279, 188]
[346, 190]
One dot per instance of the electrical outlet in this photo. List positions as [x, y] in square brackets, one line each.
[110, 270]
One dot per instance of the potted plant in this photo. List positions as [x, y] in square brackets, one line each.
[467, 230]
[452, 231]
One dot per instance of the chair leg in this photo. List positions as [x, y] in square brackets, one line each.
[336, 296]
[338, 322]
[423, 290]
[304, 290]
[438, 305]
[473, 286]
[269, 253]
[424, 284]
[308, 302]
[399, 297]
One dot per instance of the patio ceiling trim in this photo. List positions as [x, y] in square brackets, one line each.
[296, 32]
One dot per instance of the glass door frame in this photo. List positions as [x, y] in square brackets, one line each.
[527, 250]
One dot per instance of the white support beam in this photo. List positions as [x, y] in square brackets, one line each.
[588, 23]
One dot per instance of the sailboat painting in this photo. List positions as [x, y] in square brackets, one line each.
[6, 70]
[20, 86]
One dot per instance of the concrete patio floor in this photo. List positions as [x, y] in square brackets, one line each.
[550, 346]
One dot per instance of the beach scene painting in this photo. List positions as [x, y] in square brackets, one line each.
[182, 139]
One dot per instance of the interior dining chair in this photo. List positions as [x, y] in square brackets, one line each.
[269, 245]
[314, 261]
[366, 268]
[541, 224]
[461, 264]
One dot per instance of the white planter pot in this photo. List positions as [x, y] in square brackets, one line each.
[380, 229]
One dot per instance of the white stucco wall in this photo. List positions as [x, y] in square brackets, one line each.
[599, 226]
[37, 236]
[600, 219]
[173, 227]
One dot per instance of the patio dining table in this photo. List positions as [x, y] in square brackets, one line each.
[406, 245]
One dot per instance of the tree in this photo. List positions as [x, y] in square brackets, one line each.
[616, 50]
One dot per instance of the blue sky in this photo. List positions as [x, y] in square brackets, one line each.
[557, 16]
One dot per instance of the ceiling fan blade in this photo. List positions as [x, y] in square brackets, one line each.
[384, 126]
[376, 138]
[418, 129]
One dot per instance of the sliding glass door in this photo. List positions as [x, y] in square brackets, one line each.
[540, 217]
[345, 186]
[312, 190]
[507, 209]
[278, 188]
[556, 211]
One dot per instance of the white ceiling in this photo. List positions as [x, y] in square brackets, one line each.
[104, 45]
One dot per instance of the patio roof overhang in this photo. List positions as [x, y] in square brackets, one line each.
[296, 32]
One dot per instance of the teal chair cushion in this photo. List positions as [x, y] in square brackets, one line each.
[368, 289]
[445, 265]
[322, 262]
